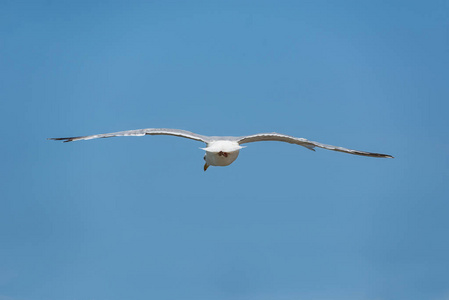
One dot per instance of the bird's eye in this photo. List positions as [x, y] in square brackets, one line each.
[204, 157]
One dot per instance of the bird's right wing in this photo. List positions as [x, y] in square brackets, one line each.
[139, 132]
[303, 142]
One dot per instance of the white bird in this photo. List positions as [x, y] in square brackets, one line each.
[223, 150]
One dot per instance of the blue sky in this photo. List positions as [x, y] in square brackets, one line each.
[137, 218]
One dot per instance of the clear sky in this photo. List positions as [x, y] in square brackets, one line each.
[137, 218]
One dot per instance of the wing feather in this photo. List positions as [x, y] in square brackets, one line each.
[303, 142]
[139, 132]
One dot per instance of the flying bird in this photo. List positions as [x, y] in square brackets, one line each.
[223, 150]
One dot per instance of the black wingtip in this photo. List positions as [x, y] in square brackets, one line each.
[64, 140]
[382, 155]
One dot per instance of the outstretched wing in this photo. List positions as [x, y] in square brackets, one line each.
[139, 132]
[302, 142]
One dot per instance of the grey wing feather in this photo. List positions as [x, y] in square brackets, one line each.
[139, 132]
[303, 142]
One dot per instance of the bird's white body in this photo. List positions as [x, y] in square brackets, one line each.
[221, 153]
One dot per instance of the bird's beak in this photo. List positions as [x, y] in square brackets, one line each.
[206, 166]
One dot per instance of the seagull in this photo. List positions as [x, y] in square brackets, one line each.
[223, 150]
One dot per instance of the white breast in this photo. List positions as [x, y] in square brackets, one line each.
[221, 153]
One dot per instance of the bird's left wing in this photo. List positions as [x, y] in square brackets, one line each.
[302, 142]
[139, 132]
